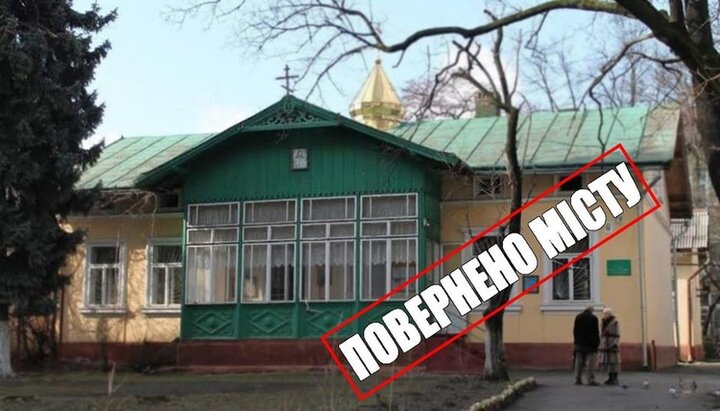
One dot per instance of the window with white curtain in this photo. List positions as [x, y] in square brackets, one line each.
[212, 237]
[104, 276]
[269, 233]
[328, 249]
[164, 274]
[389, 230]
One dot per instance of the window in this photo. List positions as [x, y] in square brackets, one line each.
[212, 253]
[328, 249]
[103, 280]
[389, 231]
[169, 201]
[488, 186]
[575, 282]
[574, 184]
[269, 251]
[165, 274]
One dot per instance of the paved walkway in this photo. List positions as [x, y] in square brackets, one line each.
[557, 392]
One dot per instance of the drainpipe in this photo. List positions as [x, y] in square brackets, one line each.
[676, 300]
[641, 279]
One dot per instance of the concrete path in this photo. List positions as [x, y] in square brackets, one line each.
[557, 392]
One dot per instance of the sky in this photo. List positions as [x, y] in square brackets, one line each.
[160, 78]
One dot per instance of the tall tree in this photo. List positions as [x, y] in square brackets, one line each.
[47, 61]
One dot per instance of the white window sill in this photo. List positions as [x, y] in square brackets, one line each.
[162, 310]
[103, 310]
[569, 307]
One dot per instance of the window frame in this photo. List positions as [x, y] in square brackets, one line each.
[121, 306]
[387, 238]
[489, 196]
[550, 304]
[327, 241]
[416, 214]
[233, 244]
[269, 242]
[559, 177]
[150, 307]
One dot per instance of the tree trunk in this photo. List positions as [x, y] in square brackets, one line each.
[495, 361]
[6, 370]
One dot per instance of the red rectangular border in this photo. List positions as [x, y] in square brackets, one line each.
[364, 395]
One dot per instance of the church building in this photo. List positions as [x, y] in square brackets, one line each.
[241, 248]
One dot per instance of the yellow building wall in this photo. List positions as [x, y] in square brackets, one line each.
[689, 309]
[134, 325]
[532, 319]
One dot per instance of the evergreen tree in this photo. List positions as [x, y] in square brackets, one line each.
[47, 61]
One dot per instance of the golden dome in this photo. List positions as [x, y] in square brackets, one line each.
[377, 104]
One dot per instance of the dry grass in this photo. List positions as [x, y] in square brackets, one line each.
[277, 391]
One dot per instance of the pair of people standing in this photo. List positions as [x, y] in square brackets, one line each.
[590, 338]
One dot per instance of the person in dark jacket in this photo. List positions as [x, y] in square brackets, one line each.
[586, 335]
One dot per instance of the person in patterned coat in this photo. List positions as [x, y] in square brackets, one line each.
[610, 346]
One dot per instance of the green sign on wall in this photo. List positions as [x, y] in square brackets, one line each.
[618, 267]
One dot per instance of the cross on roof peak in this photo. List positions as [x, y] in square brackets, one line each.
[287, 77]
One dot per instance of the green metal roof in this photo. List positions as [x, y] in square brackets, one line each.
[123, 161]
[553, 140]
[550, 141]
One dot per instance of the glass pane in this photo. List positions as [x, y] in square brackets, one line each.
[403, 227]
[159, 285]
[314, 271]
[254, 272]
[398, 265]
[282, 211]
[225, 235]
[167, 253]
[198, 275]
[374, 269]
[374, 229]
[286, 232]
[223, 274]
[324, 209]
[199, 236]
[342, 230]
[581, 279]
[105, 255]
[281, 284]
[412, 266]
[213, 215]
[176, 287]
[403, 205]
[561, 282]
[313, 231]
[485, 242]
[111, 286]
[95, 286]
[256, 233]
[579, 247]
[342, 270]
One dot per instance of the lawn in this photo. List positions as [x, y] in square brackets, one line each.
[88, 390]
